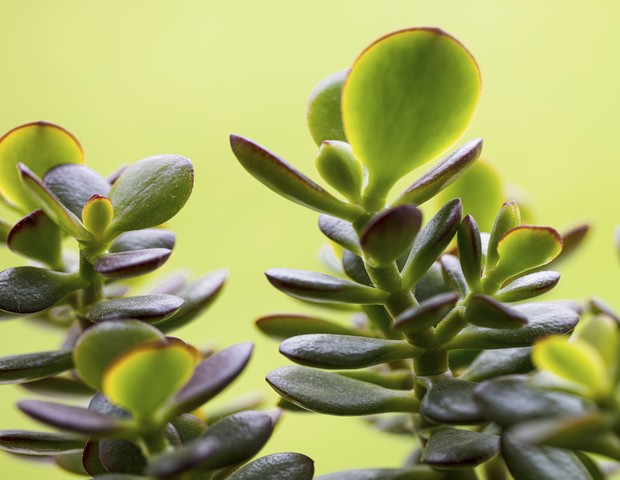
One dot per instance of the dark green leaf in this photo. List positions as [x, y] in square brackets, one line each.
[148, 308]
[119, 476]
[35, 236]
[431, 283]
[132, 263]
[189, 427]
[340, 232]
[355, 268]
[507, 218]
[528, 286]
[39, 443]
[143, 239]
[279, 466]
[441, 175]
[285, 325]
[121, 456]
[338, 166]
[431, 242]
[494, 363]
[188, 457]
[324, 115]
[453, 274]
[417, 472]
[70, 462]
[319, 287]
[451, 448]
[484, 311]
[451, 400]
[333, 394]
[29, 289]
[428, 314]
[396, 379]
[90, 459]
[470, 252]
[97, 215]
[59, 386]
[33, 366]
[284, 179]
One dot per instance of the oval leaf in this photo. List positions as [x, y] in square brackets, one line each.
[507, 218]
[340, 232]
[148, 308]
[39, 443]
[487, 312]
[324, 114]
[121, 456]
[428, 314]
[33, 366]
[451, 401]
[35, 236]
[132, 263]
[188, 457]
[417, 472]
[338, 166]
[355, 268]
[528, 286]
[97, 214]
[143, 240]
[286, 325]
[494, 363]
[470, 252]
[451, 448]
[279, 466]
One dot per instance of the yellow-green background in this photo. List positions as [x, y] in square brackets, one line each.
[134, 78]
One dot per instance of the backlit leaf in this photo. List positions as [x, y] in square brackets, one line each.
[338, 166]
[143, 239]
[507, 218]
[324, 114]
[97, 215]
[35, 236]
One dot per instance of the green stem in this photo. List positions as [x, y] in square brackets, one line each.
[431, 363]
[381, 319]
[93, 292]
[155, 442]
[451, 325]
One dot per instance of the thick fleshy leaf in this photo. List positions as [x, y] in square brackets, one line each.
[390, 232]
[431, 242]
[432, 283]
[188, 457]
[121, 456]
[453, 273]
[148, 308]
[543, 319]
[345, 351]
[119, 476]
[51, 205]
[484, 311]
[470, 252]
[324, 113]
[333, 394]
[340, 232]
[33, 366]
[494, 363]
[143, 240]
[101, 344]
[132, 263]
[451, 401]
[59, 386]
[285, 325]
[39, 443]
[528, 286]
[30, 289]
[279, 466]
[425, 88]
[189, 427]
[150, 192]
[40, 145]
[397, 379]
[35, 236]
[452, 448]
[73, 419]
[545, 463]
[74, 185]
[507, 218]
[428, 314]
[97, 214]
[338, 166]
[211, 376]
[441, 175]
[355, 268]
[416, 472]
[132, 374]
[284, 179]
[319, 287]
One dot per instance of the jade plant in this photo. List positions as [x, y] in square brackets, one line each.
[142, 391]
[440, 307]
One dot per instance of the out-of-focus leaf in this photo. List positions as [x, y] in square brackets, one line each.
[33, 366]
[30, 289]
[507, 218]
[189, 427]
[354, 267]
[397, 379]
[279, 466]
[35, 236]
[571, 242]
[333, 394]
[40, 145]
[5, 228]
[97, 214]
[428, 314]
[132, 263]
[59, 386]
[431, 283]
[431, 242]
[121, 456]
[601, 332]
[284, 179]
[340, 169]
[340, 232]
[39, 443]
[486, 312]
[143, 239]
[599, 306]
[417, 472]
[150, 192]
[494, 363]
[452, 448]
[470, 252]
[451, 401]
[324, 114]
[319, 287]
[148, 308]
[528, 286]
[190, 456]
[285, 325]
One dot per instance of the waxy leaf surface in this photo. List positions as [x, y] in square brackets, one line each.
[486, 312]
[279, 466]
[494, 363]
[324, 112]
[417, 472]
[281, 326]
[35, 236]
[451, 401]
[33, 366]
[427, 314]
[132, 263]
[340, 232]
[97, 215]
[451, 448]
[175, 463]
[148, 308]
[528, 286]
[470, 251]
[143, 240]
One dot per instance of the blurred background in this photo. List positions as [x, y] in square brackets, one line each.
[141, 77]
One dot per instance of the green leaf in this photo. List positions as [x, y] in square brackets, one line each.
[51, 205]
[417, 472]
[494, 363]
[441, 175]
[188, 457]
[484, 311]
[285, 325]
[39, 443]
[425, 87]
[189, 427]
[543, 319]
[33, 366]
[470, 252]
[278, 466]
[319, 287]
[507, 218]
[132, 263]
[528, 286]
[324, 113]
[333, 394]
[59, 386]
[74, 185]
[97, 215]
[40, 145]
[130, 375]
[340, 232]
[5, 228]
[338, 166]
[30, 289]
[449, 448]
[150, 192]
[602, 333]
[390, 233]
[453, 273]
[143, 240]
[451, 400]
[428, 314]
[285, 180]
[345, 351]
[35, 236]
[397, 379]
[431, 242]
[101, 344]
[121, 456]
[148, 308]
[431, 283]
[355, 268]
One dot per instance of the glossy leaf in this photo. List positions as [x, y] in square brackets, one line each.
[132, 263]
[338, 166]
[285, 325]
[425, 88]
[39, 443]
[278, 466]
[173, 464]
[340, 232]
[33, 366]
[494, 363]
[390, 232]
[74, 185]
[319, 287]
[40, 145]
[97, 215]
[452, 448]
[324, 113]
[150, 192]
[470, 252]
[528, 286]
[35, 236]
[484, 311]
[148, 308]
[100, 344]
[29, 289]
[451, 401]
[143, 240]
[507, 218]
[431, 242]
[333, 394]
[284, 179]
[416, 472]
[427, 314]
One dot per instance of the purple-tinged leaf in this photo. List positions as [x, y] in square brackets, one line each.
[188, 457]
[453, 274]
[33, 366]
[572, 241]
[148, 308]
[35, 236]
[121, 456]
[470, 252]
[40, 443]
[90, 459]
[60, 387]
[486, 312]
[278, 466]
[599, 306]
[285, 325]
[451, 401]
[528, 286]
[428, 314]
[340, 232]
[132, 263]
[143, 239]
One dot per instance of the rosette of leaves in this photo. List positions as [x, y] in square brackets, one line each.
[435, 320]
[145, 417]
